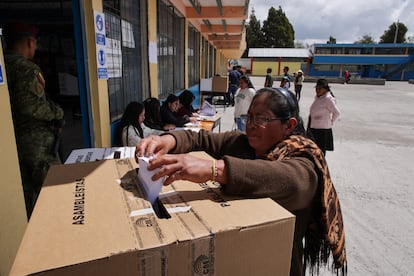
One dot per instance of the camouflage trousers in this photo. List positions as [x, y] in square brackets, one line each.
[35, 159]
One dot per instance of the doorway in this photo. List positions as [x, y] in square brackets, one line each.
[57, 57]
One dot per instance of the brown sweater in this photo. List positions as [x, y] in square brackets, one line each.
[291, 183]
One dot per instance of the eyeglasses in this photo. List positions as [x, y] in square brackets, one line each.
[260, 120]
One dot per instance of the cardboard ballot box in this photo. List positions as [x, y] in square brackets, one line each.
[93, 219]
[220, 84]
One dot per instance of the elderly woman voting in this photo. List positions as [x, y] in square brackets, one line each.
[270, 160]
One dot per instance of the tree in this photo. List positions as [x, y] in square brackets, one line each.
[299, 44]
[365, 39]
[254, 35]
[395, 33]
[332, 40]
[277, 30]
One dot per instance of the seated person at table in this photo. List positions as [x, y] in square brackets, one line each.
[186, 104]
[169, 113]
[131, 129]
[153, 115]
[272, 159]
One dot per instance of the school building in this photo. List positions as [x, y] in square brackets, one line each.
[97, 56]
[277, 59]
[387, 61]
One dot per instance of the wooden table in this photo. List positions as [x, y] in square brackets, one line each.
[210, 122]
[93, 154]
[206, 122]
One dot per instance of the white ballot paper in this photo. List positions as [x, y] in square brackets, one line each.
[152, 188]
[189, 124]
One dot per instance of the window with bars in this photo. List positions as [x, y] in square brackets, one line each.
[212, 63]
[326, 67]
[126, 63]
[206, 60]
[170, 43]
[193, 56]
[390, 51]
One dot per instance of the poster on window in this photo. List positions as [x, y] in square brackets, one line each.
[127, 34]
[114, 57]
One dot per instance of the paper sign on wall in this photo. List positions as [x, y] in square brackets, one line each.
[1, 74]
[100, 40]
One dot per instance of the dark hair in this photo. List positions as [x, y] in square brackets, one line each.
[186, 98]
[170, 99]
[152, 112]
[283, 104]
[130, 118]
[247, 80]
[322, 83]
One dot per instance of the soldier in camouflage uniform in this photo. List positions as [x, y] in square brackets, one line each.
[36, 118]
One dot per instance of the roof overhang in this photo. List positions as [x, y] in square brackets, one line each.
[220, 22]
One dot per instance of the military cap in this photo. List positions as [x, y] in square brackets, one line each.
[21, 28]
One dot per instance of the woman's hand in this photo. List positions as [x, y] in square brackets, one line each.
[181, 167]
[154, 146]
[193, 119]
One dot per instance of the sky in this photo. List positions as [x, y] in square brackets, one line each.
[346, 20]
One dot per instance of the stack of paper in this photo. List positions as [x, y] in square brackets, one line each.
[207, 109]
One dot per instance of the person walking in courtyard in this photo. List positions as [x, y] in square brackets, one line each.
[347, 76]
[285, 83]
[323, 114]
[234, 76]
[269, 78]
[286, 72]
[243, 98]
[299, 78]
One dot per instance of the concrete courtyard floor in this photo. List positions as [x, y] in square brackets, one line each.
[372, 170]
